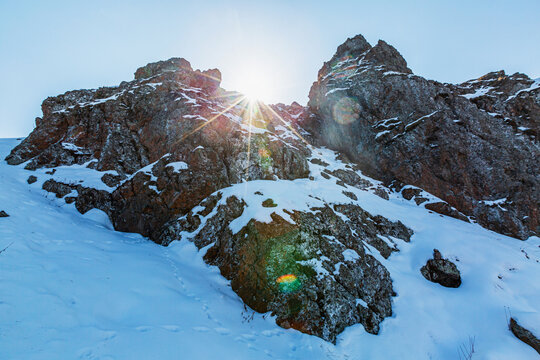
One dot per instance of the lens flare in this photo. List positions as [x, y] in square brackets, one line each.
[346, 111]
[289, 283]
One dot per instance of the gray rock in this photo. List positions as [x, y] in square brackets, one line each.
[466, 150]
[86, 199]
[511, 99]
[58, 188]
[31, 179]
[441, 271]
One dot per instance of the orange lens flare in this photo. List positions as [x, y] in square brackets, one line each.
[289, 278]
[289, 283]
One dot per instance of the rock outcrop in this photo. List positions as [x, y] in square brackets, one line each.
[513, 99]
[31, 179]
[524, 335]
[473, 145]
[173, 138]
[3, 214]
[176, 155]
[169, 139]
[331, 282]
[441, 271]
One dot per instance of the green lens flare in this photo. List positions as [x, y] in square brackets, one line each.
[289, 283]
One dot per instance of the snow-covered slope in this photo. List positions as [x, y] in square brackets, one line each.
[71, 287]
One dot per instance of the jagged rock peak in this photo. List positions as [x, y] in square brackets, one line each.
[473, 145]
[208, 80]
[387, 55]
[501, 75]
[152, 69]
[352, 46]
[493, 75]
[357, 47]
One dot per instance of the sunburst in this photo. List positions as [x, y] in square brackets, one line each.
[250, 108]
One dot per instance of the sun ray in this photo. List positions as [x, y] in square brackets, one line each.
[287, 124]
[200, 73]
[229, 94]
[208, 121]
[248, 111]
[250, 116]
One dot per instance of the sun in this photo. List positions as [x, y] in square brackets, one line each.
[255, 82]
[252, 87]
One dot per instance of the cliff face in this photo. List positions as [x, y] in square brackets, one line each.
[167, 141]
[172, 136]
[473, 145]
[283, 218]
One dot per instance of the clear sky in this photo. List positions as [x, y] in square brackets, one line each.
[49, 47]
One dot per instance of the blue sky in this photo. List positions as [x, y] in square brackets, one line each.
[49, 47]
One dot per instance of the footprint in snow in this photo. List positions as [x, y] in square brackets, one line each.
[88, 354]
[171, 328]
[222, 331]
[270, 333]
[245, 338]
[108, 335]
[201, 329]
[143, 328]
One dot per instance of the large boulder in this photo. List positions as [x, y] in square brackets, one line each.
[477, 153]
[441, 271]
[313, 273]
[524, 335]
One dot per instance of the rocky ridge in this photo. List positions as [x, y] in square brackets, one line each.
[173, 134]
[473, 145]
[179, 158]
[166, 142]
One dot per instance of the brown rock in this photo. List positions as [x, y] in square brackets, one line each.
[524, 335]
[162, 118]
[445, 209]
[112, 180]
[269, 203]
[382, 193]
[350, 195]
[409, 193]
